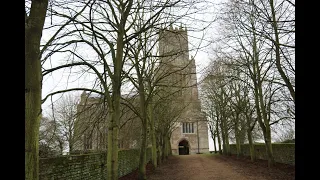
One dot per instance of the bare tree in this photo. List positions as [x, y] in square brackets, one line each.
[34, 21]
[209, 106]
[35, 15]
[238, 105]
[280, 20]
[48, 143]
[216, 90]
[250, 53]
[147, 76]
[106, 29]
[65, 114]
[109, 39]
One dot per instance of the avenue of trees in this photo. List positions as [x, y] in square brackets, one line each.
[116, 43]
[249, 88]
[110, 48]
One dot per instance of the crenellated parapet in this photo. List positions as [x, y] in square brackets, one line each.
[174, 29]
[173, 45]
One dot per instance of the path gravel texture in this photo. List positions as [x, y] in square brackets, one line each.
[208, 167]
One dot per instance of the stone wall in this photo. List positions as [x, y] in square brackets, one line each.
[88, 166]
[282, 152]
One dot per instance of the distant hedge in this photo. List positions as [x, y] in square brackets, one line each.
[282, 152]
[88, 166]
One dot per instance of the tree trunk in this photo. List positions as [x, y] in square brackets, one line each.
[259, 100]
[250, 139]
[267, 131]
[142, 160]
[227, 142]
[33, 83]
[238, 135]
[115, 149]
[251, 145]
[225, 136]
[159, 150]
[238, 145]
[163, 148]
[263, 125]
[169, 152]
[214, 143]
[267, 140]
[243, 133]
[198, 139]
[224, 152]
[218, 135]
[113, 133]
[109, 148]
[224, 147]
[153, 135]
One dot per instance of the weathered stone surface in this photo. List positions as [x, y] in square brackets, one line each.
[182, 79]
[88, 166]
[283, 152]
[176, 42]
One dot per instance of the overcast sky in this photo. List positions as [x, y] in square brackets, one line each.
[201, 40]
[62, 79]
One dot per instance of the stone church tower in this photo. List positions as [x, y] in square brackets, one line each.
[190, 134]
[190, 131]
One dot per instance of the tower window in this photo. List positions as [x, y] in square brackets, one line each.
[187, 127]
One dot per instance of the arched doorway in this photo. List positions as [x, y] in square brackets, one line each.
[184, 147]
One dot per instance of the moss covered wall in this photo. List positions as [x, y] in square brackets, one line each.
[88, 166]
[283, 152]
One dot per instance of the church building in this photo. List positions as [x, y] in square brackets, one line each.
[190, 131]
[190, 134]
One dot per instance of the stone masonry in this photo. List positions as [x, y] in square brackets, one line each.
[191, 127]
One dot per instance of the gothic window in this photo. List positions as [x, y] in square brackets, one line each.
[187, 127]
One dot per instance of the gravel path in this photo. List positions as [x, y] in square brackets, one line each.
[200, 167]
